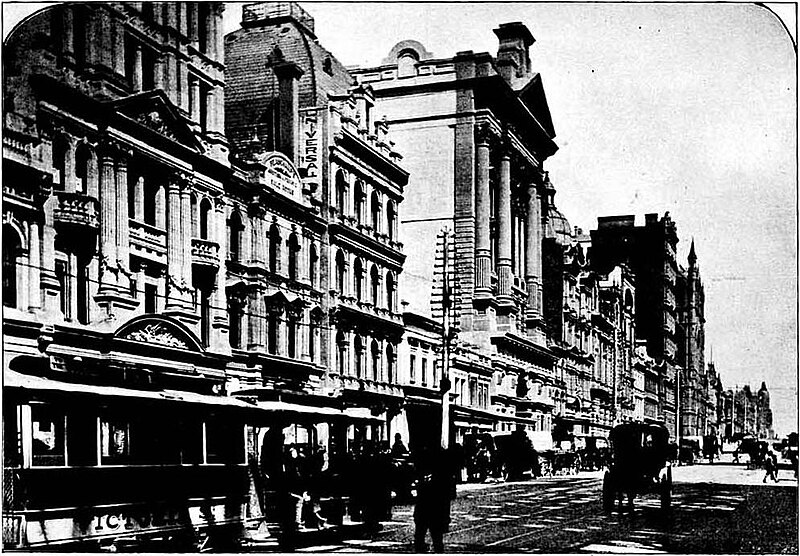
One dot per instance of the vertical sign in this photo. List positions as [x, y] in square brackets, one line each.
[310, 159]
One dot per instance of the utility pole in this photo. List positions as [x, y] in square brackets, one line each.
[446, 304]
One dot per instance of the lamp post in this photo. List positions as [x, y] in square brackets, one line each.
[446, 303]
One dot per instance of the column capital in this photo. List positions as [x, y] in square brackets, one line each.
[485, 134]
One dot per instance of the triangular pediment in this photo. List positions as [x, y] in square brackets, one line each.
[154, 110]
[533, 97]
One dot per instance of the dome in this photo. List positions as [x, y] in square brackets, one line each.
[558, 227]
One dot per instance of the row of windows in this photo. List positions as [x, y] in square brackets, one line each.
[286, 333]
[74, 436]
[373, 365]
[374, 294]
[375, 219]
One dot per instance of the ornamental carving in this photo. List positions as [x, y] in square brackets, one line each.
[156, 333]
[155, 121]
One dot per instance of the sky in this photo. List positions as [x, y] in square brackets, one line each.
[687, 108]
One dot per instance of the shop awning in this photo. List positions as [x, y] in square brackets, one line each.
[16, 380]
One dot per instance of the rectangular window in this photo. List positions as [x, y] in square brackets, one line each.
[412, 368]
[150, 298]
[204, 107]
[115, 436]
[148, 69]
[424, 372]
[49, 426]
[224, 442]
[82, 286]
[62, 275]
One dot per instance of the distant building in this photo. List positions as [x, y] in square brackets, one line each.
[650, 253]
[751, 412]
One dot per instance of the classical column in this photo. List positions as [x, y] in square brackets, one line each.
[138, 199]
[533, 252]
[35, 258]
[137, 68]
[186, 234]
[108, 221]
[172, 76]
[194, 99]
[483, 283]
[191, 16]
[183, 76]
[118, 41]
[174, 245]
[158, 70]
[123, 240]
[504, 278]
[92, 175]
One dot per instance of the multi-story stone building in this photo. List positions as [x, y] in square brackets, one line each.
[751, 412]
[649, 252]
[115, 180]
[475, 130]
[286, 93]
[694, 380]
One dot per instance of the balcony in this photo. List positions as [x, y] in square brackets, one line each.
[76, 209]
[365, 308]
[205, 252]
[374, 386]
[148, 241]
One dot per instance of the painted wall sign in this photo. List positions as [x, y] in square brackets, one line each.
[281, 175]
[127, 521]
[310, 155]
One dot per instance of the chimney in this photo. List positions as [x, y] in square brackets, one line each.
[288, 73]
[513, 58]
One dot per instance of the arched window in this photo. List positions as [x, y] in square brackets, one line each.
[359, 347]
[390, 364]
[11, 248]
[376, 361]
[341, 193]
[294, 247]
[406, 63]
[195, 219]
[376, 212]
[235, 228]
[313, 259]
[375, 285]
[314, 323]
[60, 146]
[340, 272]
[274, 248]
[82, 156]
[391, 221]
[358, 279]
[341, 352]
[390, 292]
[205, 209]
[361, 201]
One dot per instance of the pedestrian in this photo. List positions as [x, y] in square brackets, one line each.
[771, 466]
[432, 509]
[399, 449]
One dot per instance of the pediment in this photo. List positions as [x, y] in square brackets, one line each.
[154, 110]
[533, 97]
[159, 330]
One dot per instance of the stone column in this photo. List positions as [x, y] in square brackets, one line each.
[209, 100]
[108, 221]
[183, 76]
[219, 38]
[174, 245]
[67, 33]
[186, 234]
[219, 110]
[483, 280]
[138, 199]
[34, 270]
[158, 71]
[183, 10]
[136, 82]
[92, 176]
[69, 180]
[123, 241]
[220, 319]
[504, 277]
[533, 252]
[194, 96]
[172, 76]
[118, 42]
[191, 13]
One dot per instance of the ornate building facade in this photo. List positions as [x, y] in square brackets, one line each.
[475, 130]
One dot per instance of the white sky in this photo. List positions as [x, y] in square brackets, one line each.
[686, 108]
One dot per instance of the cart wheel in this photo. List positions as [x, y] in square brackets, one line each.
[666, 491]
[608, 493]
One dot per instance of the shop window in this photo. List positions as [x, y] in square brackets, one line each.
[224, 442]
[115, 436]
[48, 424]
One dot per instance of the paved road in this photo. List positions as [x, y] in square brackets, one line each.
[717, 509]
